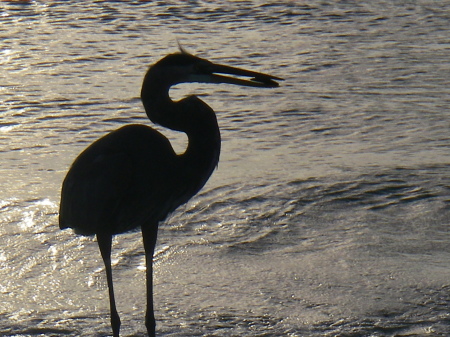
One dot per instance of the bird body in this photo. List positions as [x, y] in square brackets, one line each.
[132, 175]
[132, 178]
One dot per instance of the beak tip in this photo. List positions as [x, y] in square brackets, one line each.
[267, 82]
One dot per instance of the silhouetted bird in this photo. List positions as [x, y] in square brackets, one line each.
[132, 177]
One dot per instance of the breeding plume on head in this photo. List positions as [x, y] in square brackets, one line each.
[132, 178]
[180, 47]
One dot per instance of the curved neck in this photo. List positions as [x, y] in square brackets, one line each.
[159, 107]
[190, 115]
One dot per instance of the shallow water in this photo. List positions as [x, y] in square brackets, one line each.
[328, 214]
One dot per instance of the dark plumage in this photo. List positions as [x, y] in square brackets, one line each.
[132, 178]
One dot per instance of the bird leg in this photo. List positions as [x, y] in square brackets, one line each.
[149, 235]
[104, 243]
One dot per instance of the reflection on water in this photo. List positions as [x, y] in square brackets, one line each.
[328, 213]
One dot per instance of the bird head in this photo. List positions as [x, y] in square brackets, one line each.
[183, 67]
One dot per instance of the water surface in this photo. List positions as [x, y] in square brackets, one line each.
[328, 214]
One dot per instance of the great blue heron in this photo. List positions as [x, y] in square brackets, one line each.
[132, 177]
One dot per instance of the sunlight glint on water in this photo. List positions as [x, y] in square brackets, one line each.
[327, 215]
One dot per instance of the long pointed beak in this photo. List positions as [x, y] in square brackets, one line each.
[256, 79]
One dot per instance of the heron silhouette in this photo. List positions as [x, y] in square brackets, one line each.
[133, 178]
